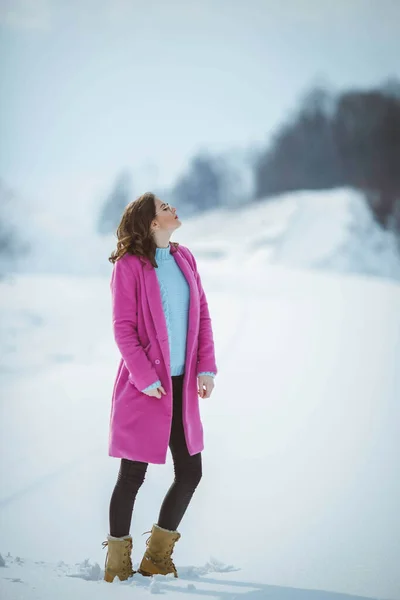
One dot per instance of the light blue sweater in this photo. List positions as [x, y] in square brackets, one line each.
[175, 299]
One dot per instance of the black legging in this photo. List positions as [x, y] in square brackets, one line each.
[188, 472]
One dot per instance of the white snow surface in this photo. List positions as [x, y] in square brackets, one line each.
[300, 493]
[300, 487]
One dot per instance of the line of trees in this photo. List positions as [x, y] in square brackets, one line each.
[349, 140]
[208, 182]
[352, 139]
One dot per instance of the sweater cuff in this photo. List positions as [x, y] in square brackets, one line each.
[206, 373]
[152, 386]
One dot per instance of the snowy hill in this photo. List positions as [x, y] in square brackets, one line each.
[300, 488]
[329, 230]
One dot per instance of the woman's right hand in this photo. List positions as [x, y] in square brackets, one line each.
[156, 392]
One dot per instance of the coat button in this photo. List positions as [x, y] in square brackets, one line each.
[157, 361]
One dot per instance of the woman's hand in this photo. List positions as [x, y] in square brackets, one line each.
[156, 392]
[206, 385]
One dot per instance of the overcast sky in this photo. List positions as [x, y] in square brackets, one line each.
[91, 86]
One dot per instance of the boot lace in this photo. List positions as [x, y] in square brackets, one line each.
[128, 567]
[104, 544]
[166, 559]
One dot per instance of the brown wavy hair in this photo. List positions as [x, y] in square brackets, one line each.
[134, 234]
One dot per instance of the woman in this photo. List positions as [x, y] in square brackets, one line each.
[162, 328]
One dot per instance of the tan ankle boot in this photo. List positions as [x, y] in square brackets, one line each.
[118, 559]
[157, 557]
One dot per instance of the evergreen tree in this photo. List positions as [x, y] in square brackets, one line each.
[115, 204]
[201, 187]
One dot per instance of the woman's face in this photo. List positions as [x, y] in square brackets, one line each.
[166, 217]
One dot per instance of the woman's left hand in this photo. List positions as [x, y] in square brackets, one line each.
[206, 385]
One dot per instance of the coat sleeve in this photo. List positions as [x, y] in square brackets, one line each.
[206, 350]
[124, 317]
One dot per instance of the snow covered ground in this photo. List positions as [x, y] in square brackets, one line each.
[45, 581]
[302, 433]
[300, 494]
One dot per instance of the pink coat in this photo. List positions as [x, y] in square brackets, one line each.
[139, 424]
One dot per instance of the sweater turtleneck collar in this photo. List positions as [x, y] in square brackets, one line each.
[163, 253]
